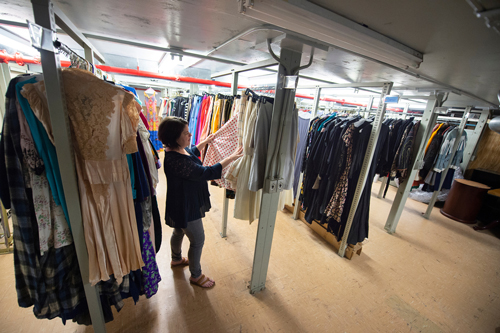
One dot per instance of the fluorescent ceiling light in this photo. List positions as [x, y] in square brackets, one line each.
[316, 22]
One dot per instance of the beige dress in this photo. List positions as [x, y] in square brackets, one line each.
[103, 121]
[246, 202]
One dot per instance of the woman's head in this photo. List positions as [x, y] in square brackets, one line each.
[173, 132]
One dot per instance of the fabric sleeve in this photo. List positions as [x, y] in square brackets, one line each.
[129, 122]
[194, 151]
[35, 94]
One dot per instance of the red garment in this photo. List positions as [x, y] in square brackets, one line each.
[224, 144]
[143, 118]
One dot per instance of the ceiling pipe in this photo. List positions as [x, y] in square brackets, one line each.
[22, 60]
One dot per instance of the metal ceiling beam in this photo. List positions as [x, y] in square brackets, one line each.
[9, 34]
[345, 85]
[249, 67]
[65, 23]
[232, 39]
[162, 48]
[14, 23]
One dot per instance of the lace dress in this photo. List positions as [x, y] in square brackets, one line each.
[103, 121]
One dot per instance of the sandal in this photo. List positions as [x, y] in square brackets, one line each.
[202, 280]
[183, 262]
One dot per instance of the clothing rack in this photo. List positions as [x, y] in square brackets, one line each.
[47, 16]
[289, 64]
[429, 119]
[372, 143]
[443, 119]
[221, 96]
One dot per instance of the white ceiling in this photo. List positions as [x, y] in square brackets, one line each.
[459, 50]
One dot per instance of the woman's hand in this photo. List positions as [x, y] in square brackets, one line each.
[237, 154]
[203, 143]
[210, 138]
[234, 156]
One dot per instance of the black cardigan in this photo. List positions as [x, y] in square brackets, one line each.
[188, 198]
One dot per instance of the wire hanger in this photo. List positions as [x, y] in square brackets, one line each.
[76, 60]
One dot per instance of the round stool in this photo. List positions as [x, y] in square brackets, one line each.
[464, 201]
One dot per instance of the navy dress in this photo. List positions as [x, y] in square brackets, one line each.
[188, 198]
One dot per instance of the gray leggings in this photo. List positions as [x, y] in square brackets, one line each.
[196, 235]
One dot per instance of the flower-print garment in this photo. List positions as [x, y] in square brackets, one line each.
[53, 230]
[30, 154]
[103, 121]
[150, 273]
[152, 118]
[336, 205]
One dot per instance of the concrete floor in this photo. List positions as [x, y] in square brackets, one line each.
[433, 275]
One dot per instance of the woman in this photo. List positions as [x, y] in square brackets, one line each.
[187, 193]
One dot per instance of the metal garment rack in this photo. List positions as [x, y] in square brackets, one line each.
[287, 79]
[234, 90]
[225, 203]
[47, 15]
[370, 150]
[429, 119]
[281, 123]
[472, 141]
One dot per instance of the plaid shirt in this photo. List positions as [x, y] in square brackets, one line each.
[41, 281]
[51, 283]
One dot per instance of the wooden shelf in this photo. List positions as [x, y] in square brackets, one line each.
[329, 237]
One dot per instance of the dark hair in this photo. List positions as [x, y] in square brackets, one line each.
[170, 130]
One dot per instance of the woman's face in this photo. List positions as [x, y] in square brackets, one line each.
[184, 140]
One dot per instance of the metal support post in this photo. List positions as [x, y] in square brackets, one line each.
[234, 84]
[424, 132]
[384, 179]
[296, 207]
[282, 109]
[317, 97]
[89, 54]
[44, 16]
[193, 88]
[4, 83]
[474, 139]
[369, 107]
[461, 128]
[225, 202]
[314, 113]
[367, 161]
[382, 187]
[405, 111]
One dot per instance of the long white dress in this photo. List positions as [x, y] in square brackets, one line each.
[247, 203]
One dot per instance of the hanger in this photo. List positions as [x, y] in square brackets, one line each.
[149, 91]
